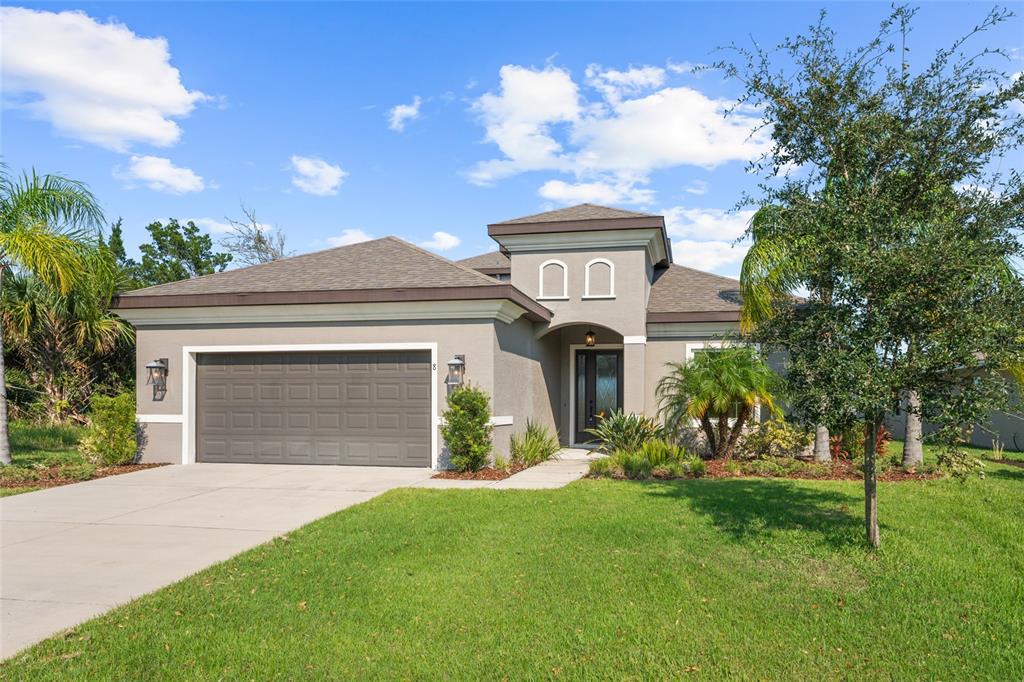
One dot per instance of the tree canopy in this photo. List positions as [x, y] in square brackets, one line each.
[890, 195]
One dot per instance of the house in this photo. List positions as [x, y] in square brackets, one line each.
[342, 356]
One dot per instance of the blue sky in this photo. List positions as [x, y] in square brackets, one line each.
[337, 122]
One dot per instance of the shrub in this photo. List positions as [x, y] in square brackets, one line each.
[500, 463]
[603, 467]
[660, 452]
[112, 436]
[18, 474]
[80, 471]
[534, 445]
[960, 464]
[774, 438]
[634, 465]
[733, 467]
[467, 428]
[697, 467]
[621, 431]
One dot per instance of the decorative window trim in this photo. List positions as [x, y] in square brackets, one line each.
[564, 296]
[611, 279]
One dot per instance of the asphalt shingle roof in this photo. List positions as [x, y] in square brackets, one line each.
[492, 260]
[388, 263]
[679, 289]
[580, 212]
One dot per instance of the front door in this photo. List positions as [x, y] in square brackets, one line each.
[598, 389]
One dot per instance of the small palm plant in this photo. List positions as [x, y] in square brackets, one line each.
[720, 390]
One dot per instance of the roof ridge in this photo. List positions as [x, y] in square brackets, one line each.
[256, 266]
[627, 213]
[485, 278]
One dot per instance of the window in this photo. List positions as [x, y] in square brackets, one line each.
[554, 280]
[599, 279]
[502, 276]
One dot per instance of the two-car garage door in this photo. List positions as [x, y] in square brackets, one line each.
[370, 408]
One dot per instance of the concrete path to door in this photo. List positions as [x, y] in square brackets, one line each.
[71, 553]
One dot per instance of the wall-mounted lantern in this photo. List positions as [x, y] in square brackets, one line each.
[156, 376]
[456, 372]
[591, 338]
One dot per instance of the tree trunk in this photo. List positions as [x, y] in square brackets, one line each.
[723, 435]
[913, 447]
[737, 431]
[5, 443]
[709, 433]
[871, 485]
[822, 444]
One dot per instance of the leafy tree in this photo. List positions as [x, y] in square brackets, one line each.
[714, 388]
[252, 242]
[177, 252]
[47, 225]
[895, 204]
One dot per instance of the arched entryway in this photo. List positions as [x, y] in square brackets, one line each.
[593, 377]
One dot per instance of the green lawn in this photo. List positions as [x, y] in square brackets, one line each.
[33, 445]
[735, 578]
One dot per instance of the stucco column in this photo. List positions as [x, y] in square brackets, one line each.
[633, 351]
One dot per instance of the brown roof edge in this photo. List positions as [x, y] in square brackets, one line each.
[592, 225]
[701, 316]
[534, 311]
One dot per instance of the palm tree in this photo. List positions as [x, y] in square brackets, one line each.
[715, 388]
[61, 339]
[47, 225]
[770, 275]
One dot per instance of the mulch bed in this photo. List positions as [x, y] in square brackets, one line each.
[485, 474]
[51, 477]
[840, 470]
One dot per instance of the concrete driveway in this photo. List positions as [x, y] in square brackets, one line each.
[70, 553]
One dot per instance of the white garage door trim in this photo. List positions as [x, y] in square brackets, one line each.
[188, 388]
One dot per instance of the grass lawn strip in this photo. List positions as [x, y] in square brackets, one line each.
[736, 578]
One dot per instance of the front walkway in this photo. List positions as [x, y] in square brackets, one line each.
[70, 553]
[569, 464]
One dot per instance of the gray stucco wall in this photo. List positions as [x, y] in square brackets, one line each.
[626, 313]
[527, 382]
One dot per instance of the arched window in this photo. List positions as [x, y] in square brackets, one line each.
[554, 280]
[599, 281]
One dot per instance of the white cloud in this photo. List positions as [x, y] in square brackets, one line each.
[398, 115]
[599, 192]
[441, 241]
[706, 223]
[347, 237]
[93, 81]
[697, 187]
[541, 120]
[518, 119]
[161, 175]
[213, 226]
[721, 257]
[614, 84]
[685, 67]
[316, 176]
